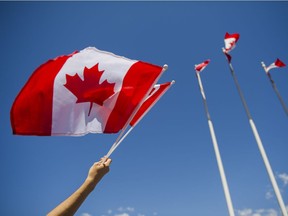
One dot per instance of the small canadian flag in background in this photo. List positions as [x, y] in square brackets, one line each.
[230, 41]
[200, 67]
[87, 91]
[278, 63]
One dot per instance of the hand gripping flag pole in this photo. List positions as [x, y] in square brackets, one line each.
[257, 138]
[198, 69]
[119, 138]
[147, 105]
[277, 63]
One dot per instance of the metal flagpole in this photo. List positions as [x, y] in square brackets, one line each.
[260, 145]
[217, 152]
[275, 88]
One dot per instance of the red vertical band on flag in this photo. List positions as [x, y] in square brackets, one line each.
[153, 97]
[136, 84]
[38, 91]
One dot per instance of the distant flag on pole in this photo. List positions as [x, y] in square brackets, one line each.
[198, 68]
[278, 63]
[201, 66]
[253, 126]
[230, 41]
[90, 91]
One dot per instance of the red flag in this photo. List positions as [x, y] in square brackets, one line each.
[228, 56]
[278, 63]
[157, 92]
[201, 66]
[90, 91]
[230, 41]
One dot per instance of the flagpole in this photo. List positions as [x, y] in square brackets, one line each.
[112, 149]
[164, 68]
[217, 152]
[134, 125]
[260, 145]
[275, 88]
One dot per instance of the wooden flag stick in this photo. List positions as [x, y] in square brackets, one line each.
[260, 145]
[275, 88]
[216, 149]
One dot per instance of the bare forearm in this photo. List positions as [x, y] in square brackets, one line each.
[69, 206]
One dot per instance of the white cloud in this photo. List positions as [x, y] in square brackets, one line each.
[269, 195]
[125, 211]
[120, 209]
[245, 212]
[86, 214]
[130, 209]
[284, 178]
[258, 212]
[122, 214]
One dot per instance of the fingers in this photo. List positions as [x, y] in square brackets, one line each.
[105, 161]
[108, 162]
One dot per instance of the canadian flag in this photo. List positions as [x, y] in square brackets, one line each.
[90, 91]
[230, 41]
[157, 92]
[278, 63]
[200, 67]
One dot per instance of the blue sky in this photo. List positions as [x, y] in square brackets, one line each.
[167, 165]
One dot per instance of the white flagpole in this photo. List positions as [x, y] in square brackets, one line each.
[275, 88]
[260, 145]
[217, 152]
[132, 127]
[165, 67]
[112, 149]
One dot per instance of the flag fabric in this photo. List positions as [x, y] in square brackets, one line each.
[201, 66]
[228, 56]
[230, 41]
[278, 63]
[90, 91]
[157, 92]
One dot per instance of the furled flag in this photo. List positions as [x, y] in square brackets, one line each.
[230, 41]
[157, 92]
[201, 66]
[90, 91]
[276, 64]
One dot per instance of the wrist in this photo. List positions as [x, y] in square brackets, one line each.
[90, 184]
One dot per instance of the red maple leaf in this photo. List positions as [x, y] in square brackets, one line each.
[89, 89]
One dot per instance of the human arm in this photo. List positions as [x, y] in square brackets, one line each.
[69, 206]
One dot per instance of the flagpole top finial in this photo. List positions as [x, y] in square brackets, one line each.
[263, 65]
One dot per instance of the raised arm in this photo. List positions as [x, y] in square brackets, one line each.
[69, 206]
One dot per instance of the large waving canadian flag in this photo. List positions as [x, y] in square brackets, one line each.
[90, 91]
